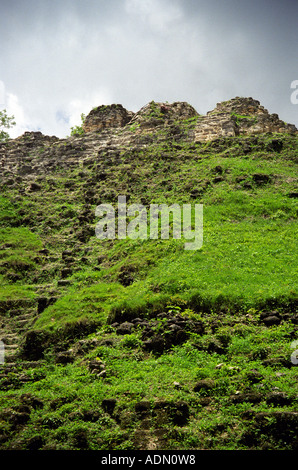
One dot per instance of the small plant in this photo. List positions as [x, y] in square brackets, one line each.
[78, 130]
[161, 323]
[190, 314]
[240, 117]
[134, 127]
[6, 122]
[174, 309]
[131, 341]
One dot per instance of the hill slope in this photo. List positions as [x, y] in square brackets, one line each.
[139, 343]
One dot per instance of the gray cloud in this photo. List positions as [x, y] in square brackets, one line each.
[61, 58]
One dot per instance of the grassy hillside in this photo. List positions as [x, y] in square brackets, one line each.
[140, 343]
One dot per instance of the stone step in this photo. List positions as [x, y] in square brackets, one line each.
[9, 338]
[12, 366]
[20, 311]
[23, 324]
[13, 305]
[25, 316]
[10, 347]
[10, 352]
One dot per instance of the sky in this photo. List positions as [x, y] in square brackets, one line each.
[61, 58]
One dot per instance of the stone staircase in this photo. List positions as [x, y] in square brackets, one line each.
[13, 323]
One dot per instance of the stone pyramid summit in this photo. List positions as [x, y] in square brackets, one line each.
[110, 128]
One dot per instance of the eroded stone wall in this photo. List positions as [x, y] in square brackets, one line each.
[113, 128]
[239, 116]
[106, 117]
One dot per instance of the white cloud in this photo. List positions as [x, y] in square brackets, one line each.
[60, 59]
[161, 15]
[54, 118]
[2, 95]
[78, 106]
[13, 108]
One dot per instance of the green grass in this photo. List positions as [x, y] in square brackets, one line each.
[78, 304]
[68, 393]
[240, 266]
[18, 250]
[246, 266]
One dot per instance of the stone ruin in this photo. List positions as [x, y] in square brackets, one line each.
[104, 117]
[112, 128]
[239, 116]
[154, 114]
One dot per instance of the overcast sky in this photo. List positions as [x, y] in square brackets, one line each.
[60, 58]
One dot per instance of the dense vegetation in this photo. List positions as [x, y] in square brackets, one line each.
[140, 343]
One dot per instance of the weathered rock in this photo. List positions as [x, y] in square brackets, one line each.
[204, 385]
[19, 418]
[278, 399]
[65, 357]
[103, 117]
[35, 443]
[155, 344]
[96, 366]
[251, 397]
[125, 328]
[34, 344]
[143, 406]
[271, 320]
[260, 178]
[277, 362]
[34, 187]
[280, 425]
[154, 114]
[91, 415]
[110, 129]
[177, 412]
[126, 277]
[240, 116]
[254, 376]
[31, 401]
[108, 405]
[44, 302]
[180, 413]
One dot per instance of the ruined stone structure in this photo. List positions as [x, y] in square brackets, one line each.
[154, 114]
[239, 116]
[105, 117]
[112, 134]
[108, 128]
